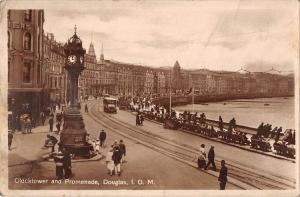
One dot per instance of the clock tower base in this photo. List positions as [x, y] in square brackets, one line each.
[73, 135]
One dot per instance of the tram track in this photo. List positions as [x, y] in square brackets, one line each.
[242, 176]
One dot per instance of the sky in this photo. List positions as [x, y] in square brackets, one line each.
[255, 35]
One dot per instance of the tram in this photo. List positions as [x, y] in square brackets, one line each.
[110, 105]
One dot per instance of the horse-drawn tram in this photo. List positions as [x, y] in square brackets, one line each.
[236, 134]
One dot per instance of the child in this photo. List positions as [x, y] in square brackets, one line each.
[94, 144]
[97, 149]
[109, 162]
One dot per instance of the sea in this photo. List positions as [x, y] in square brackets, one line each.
[279, 111]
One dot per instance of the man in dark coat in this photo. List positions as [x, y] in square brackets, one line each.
[223, 175]
[117, 160]
[51, 122]
[59, 163]
[141, 119]
[260, 129]
[10, 138]
[137, 119]
[211, 158]
[102, 137]
[67, 164]
[58, 126]
[221, 124]
[122, 150]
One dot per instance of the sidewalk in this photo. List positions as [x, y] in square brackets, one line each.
[25, 151]
[28, 146]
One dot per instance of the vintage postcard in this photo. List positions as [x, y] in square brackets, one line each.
[149, 98]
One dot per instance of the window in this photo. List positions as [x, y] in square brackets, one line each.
[28, 15]
[8, 39]
[27, 72]
[27, 41]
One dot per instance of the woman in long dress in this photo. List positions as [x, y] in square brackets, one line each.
[109, 161]
[202, 157]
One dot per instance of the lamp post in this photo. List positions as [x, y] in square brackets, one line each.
[73, 135]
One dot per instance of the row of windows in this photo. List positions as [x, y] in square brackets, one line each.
[55, 82]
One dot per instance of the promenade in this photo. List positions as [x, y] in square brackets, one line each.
[143, 165]
[262, 163]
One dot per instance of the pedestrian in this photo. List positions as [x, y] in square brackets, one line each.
[67, 164]
[273, 132]
[109, 161]
[294, 137]
[59, 163]
[278, 133]
[51, 114]
[58, 117]
[137, 119]
[221, 124]
[260, 129]
[117, 160]
[33, 123]
[86, 109]
[211, 158]
[58, 127]
[102, 137]
[97, 149]
[51, 121]
[122, 150]
[24, 125]
[53, 141]
[28, 125]
[223, 175]
[10, 138]
[141, 119]
[202, 157]
[115, 144]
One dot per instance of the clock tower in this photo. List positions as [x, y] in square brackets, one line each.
[74, 65]
[73, 135]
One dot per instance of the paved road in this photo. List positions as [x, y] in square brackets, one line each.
[142, 164]
[269, 165]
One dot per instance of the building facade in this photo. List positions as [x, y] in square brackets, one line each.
[54, 75]
[25, 61]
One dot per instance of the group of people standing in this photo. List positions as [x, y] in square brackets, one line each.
[99, 142]
[115, 157]
[59, 119]
[266, 131]
[202, 164]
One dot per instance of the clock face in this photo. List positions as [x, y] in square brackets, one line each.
[72, 59]
[81, 59]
